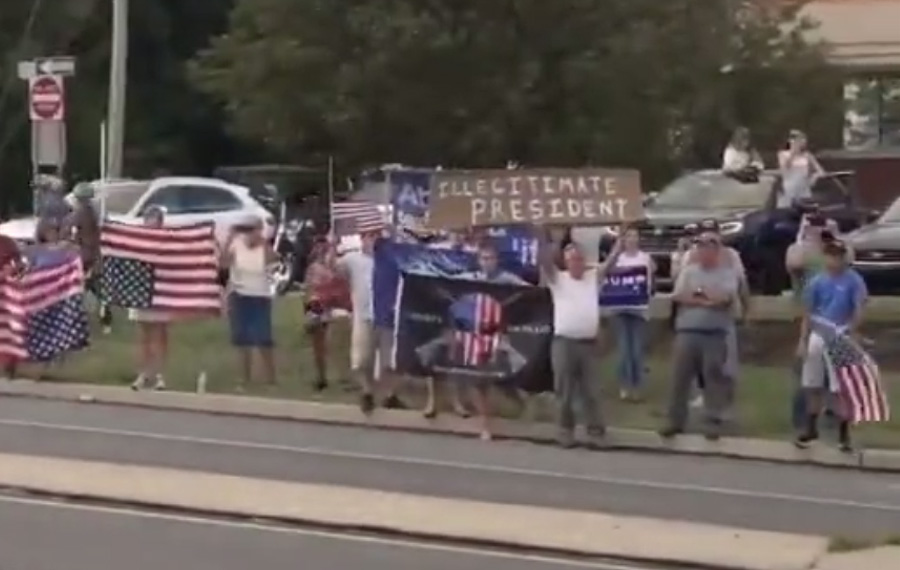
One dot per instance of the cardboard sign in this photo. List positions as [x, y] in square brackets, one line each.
[583, 197]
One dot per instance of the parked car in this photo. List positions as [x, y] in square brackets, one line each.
[876, 251]
[187, 200]
[749, 218]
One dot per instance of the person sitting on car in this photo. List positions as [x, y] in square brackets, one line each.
[740, 160]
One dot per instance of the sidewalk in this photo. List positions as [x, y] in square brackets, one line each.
[341, 414]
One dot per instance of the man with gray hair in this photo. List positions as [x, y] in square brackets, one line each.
[706, 292]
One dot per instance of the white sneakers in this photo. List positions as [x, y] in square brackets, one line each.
[142, 381]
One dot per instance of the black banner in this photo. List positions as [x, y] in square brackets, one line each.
[477, 330]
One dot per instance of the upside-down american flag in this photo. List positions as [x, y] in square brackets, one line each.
[477, 319]
[356, 216]
[169, 269]
[42, 311]
[857, 375]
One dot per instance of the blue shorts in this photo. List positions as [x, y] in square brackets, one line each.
[251, 320]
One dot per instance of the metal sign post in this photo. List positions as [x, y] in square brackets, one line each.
[47, 109]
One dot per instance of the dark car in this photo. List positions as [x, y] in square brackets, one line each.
[876, 251]
[750, 218]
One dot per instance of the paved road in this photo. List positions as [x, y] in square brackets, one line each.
[48, 536]
[739, 493]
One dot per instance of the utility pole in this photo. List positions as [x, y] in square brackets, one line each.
[118, 81]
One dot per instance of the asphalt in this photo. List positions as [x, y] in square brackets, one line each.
[47, 535]
[773, 497]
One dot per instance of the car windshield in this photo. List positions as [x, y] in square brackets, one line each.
[119, 199]
[714, 190]
[892, 214]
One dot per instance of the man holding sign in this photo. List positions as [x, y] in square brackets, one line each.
[583, 197]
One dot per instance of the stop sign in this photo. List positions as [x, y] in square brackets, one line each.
[46, 100]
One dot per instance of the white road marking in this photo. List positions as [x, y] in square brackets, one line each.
[330, 535]
[407, 460]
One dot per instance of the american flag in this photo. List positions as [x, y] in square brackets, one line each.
[477, 321]
[42, 312]
[170, 269]
[356, 216]
[857, 375]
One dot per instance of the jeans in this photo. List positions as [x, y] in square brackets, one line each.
[695, 354]
[630, 329]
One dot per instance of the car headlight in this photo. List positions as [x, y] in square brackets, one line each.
[730, 228]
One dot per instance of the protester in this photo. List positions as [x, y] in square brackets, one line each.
[631, 323]
[247, 255]
[835, 297]
[576, 322]
[369, 346]
[740, 160]
[799, 170]
[322, 287]
[706, 292]
[730, 259]
[459, 242]
[83, 228]
[153, 328]
[489, 272]
[12, 264]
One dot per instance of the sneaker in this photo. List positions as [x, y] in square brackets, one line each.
[804, 439]
[139, 383]
[597, 437]
[670, 432]
[485, 435]
[321, 385]
[566, 439]
[713, 431]
[845, 443]
[159, 384]
[392, 402]
[366, 403]
[697, 402]
[107, 330]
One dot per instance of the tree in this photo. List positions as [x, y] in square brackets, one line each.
[473, 83]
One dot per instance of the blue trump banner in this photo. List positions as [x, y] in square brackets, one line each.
[626, 287]
[408, 189]
[393, 258]
[474, 330]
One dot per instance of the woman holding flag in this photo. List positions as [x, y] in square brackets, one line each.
[153, 328]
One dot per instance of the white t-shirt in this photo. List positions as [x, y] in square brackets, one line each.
[247, 274]
[359, 267]
[576, 307]
[734, 160]
[637, 259]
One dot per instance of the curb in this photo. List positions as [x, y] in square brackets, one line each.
[347, 415]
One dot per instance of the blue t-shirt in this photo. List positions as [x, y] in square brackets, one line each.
[835, 298]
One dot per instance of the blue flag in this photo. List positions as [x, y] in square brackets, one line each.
[392, 259]
[626, 287]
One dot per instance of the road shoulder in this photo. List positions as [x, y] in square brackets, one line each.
[341, 414]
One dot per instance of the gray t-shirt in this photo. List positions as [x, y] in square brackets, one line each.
[719, 281]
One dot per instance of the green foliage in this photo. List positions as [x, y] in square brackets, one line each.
[643, 83]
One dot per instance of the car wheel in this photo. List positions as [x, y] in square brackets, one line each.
[281, 274]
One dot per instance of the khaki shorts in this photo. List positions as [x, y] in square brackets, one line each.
[814, 372]
[371, 348]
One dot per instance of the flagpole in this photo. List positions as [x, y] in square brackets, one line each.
[330, 194]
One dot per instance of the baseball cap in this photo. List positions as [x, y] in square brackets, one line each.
[709, 225]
